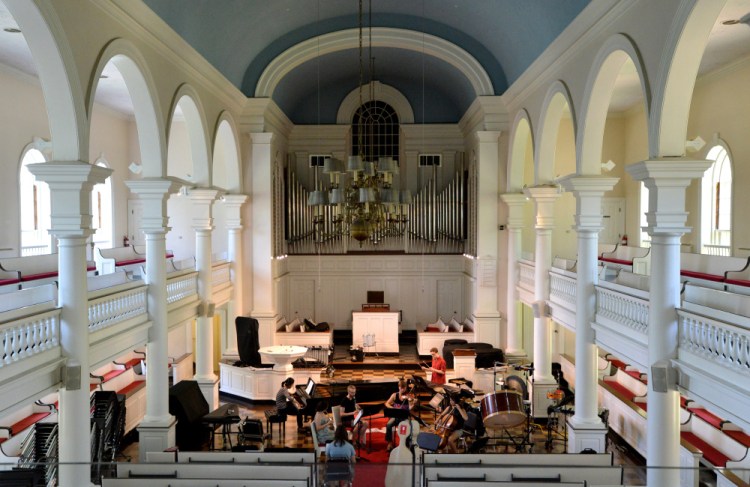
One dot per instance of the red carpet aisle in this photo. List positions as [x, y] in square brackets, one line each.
[371, 468]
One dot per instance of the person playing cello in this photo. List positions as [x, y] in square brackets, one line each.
[450, 423]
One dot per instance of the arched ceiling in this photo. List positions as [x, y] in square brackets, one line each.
[241, 37]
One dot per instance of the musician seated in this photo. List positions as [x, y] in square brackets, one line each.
[450, 422]
[287, 405]
[350, 410]
[323, 423]
[398, 400]
[437, 368]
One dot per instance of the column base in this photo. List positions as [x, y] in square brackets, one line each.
[586, 435]
[516, 357]
[210, 389]
[156, 435]
[539, 401]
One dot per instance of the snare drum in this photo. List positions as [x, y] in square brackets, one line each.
[502, 409]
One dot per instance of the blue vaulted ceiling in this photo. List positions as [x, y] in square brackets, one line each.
[241, 37]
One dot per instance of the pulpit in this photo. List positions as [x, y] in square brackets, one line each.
[377, 327]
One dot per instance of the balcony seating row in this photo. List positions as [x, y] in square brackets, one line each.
[36, 270]
[721, 443]
[124, 376]
[716, 271]
[634, 259]
[128, 259]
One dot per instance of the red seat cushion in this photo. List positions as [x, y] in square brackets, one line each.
[702, 275]
[621, 389]
[618, 363]
[170, 255]
[634, 373]
[136, 384]
[708, 417]
[738, 282]
[3, 282]
[41, 275]
[432, 329]
[132, 363]
[616, 261]
[739, 436]
[90, 268]
[710, 453]
[642, 405]
[129, 262]
[28, 421]
[112, 374]
[684, 401]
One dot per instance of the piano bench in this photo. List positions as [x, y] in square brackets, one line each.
[274, 417]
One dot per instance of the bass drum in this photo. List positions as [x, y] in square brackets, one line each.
[503, 409]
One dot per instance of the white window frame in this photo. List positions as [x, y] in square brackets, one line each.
[712, 240]
[423, 159]
[34, 206]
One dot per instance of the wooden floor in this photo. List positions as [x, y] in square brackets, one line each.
[406, 364]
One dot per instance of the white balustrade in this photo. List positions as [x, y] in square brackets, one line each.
[181, 287]
[722, 343]
[220, 274]
[526, 275]
[562, 289]
[30, 335]
[116, 308]
[621, 308]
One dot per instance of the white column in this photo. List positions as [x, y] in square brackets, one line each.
[70, 186]
[486, 313]
[666, 181]
[585, 428]
[262, 256]
[157, 429]
[514, 351]
[543, 381]
[233, 204]
[203, 200]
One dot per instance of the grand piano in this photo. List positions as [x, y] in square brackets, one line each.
[371, 394]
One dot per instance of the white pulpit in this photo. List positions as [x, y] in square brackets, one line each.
[380, 328]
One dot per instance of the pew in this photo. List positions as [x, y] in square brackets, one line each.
[121, 376]
[172, 482]
[434, 336]
[539, 472]
[551, 459]
[127, 259]
[295, 458]
[214, 471]
[634, 259]
[294, 334]
[36, 270]
[449, 483]
[710, 270]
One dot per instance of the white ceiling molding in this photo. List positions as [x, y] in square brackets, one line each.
[381, 37]
[381, 92]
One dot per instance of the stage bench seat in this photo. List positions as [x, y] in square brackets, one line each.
[34, 270]
[294, 334]
[433, 336]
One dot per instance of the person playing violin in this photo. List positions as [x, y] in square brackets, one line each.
[398, 400]
[437, 368]
[451, 422]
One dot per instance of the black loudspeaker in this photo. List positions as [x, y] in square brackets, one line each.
[188, 406]
[248, 343]
[428, 441]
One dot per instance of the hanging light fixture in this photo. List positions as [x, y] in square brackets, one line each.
[364, 205]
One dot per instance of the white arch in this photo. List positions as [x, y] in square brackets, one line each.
[384, 93]
[53, 59]
[557, 98]
[195, 122]
[141, 87]
[673, 86]
[411, 40]
[519, 137]
[597, 96]
[226, 170]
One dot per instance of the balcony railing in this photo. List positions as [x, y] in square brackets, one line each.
[723, 344]
[117, 307]
[181, 286]
[28, 336]
[615, 306]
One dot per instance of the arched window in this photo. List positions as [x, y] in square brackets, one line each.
[716, 204]
[375, 127]
[101, 210]
[35, 208]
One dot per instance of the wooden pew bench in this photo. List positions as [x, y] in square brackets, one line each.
[433, 336]
[710, 270]
[539, 472]
[294, 334]
[128, 259]
[9, 281]
[291, 458]
[215, 472]
[36, 270]
[738, 281]
[172, 482]
[552, 459]
[448, 483]
[627, 386]
[633, 259]
[120, 376]
[15, 427]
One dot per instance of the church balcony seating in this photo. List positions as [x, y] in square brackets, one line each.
[128, 259]
[9, 281]
[16, 426]
[634, 259]
[34, 270]
[123, 377]
[712, 270]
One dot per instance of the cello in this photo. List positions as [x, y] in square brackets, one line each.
[444, 426]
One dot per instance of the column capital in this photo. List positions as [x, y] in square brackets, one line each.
[588, 191]
[544, 197]
[203, 200]
[667, 180]
[487, 136]
[261, 137]
[70, 184]
[515, 203]
[233, 204]
[154, 192]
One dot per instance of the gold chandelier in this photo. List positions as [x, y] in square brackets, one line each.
[365, 206]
